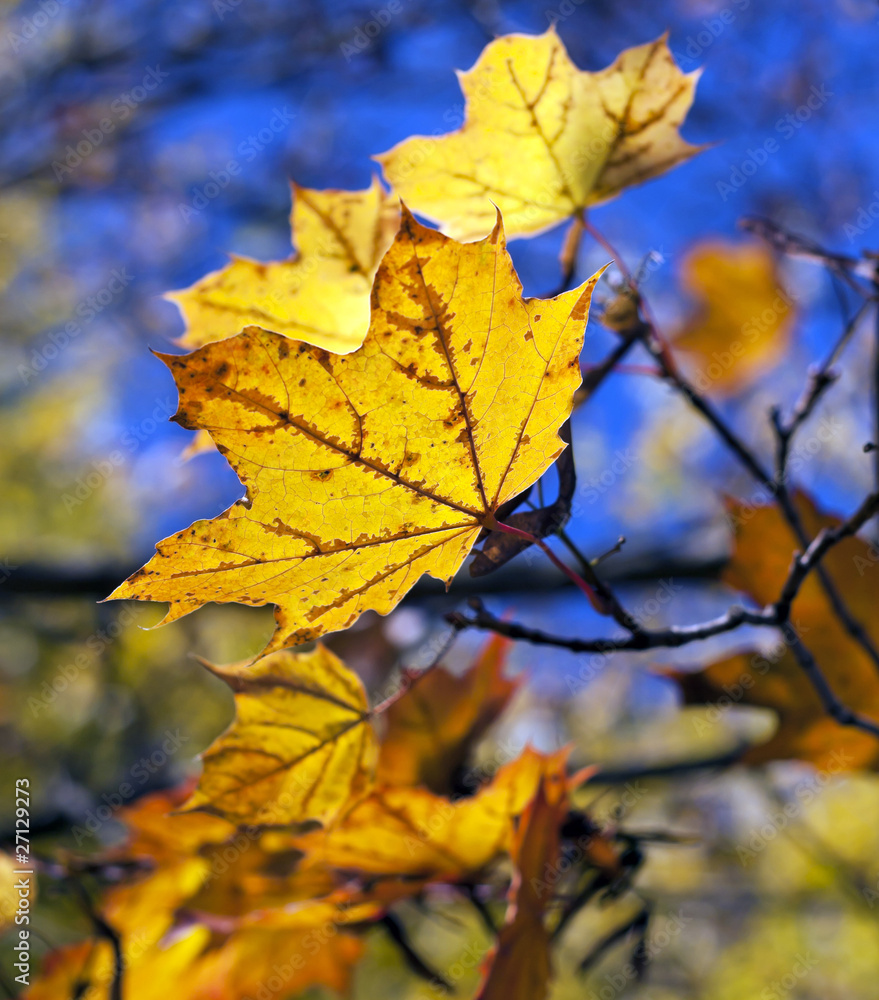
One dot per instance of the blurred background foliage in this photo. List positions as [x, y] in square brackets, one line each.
[97, 222]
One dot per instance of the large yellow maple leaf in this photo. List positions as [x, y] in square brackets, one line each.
[301, 744]
[544, 140]
[320, 294]
[364, 471]
[764, 546]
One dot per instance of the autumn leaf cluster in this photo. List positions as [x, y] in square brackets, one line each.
[388, 398]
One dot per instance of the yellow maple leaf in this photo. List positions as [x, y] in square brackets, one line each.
[433, 726]
[400, 831]
[764, 546]
[743, 316]
[364, 471]
[301, 744]
[544, 140]
[320, 294]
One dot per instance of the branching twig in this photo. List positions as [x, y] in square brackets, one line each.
[672, 637]
[652, 340]
[822, 543]
[773, 615]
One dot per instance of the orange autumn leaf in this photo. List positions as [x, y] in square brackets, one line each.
[743, 316]
[399, 831]
[761, 560]
[320, 295]
[544, 140]
[195, 920]
[293, 960]
[301, 745]
[154, 833]
[519, 966]
[432, 728]
[347, 503]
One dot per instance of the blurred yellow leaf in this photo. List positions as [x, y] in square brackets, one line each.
[434, 725]
[87, 969]
[743, 316]
[301, 744]
[412, 832]
[316, 955]
[9, 895]
[543, 140]
[319, 295]
[364, 471]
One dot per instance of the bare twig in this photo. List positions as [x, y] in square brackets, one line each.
[397, 933]
[104, 930]
[840, 264]
[822, 543]
[672, 637]
[775, 615]
[653, 341]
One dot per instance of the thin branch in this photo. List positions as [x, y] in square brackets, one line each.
[397, 933]
[822, 543]
[638, 923]
[106, 931]
[841, 713]
[652, 340]
[410, 676]
[773, 615]
[791, 244]
[666, 638]
[568, 256]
